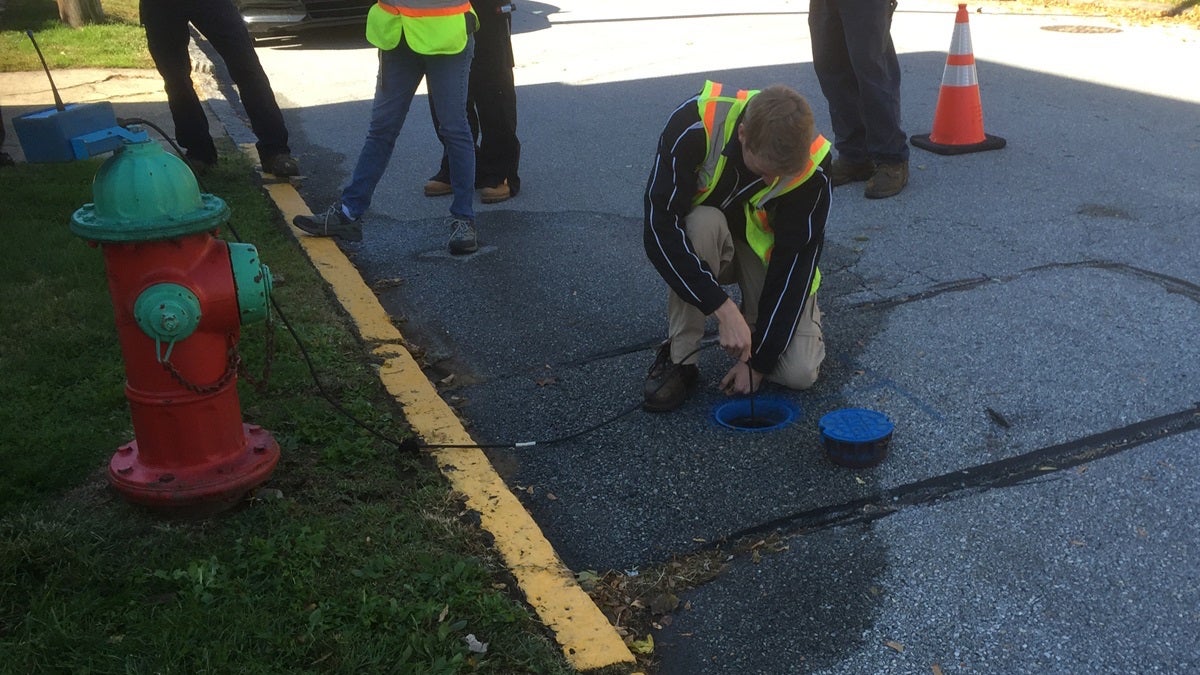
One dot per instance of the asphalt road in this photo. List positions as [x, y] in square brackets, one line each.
[1026, 317]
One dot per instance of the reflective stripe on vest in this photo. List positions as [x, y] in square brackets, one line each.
[431, 27]
[719, 115]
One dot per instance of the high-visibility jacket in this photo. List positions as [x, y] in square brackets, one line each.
[720, 114]
[431, 27]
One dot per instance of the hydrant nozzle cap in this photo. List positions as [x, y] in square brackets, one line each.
[143, 193]
[167, 312]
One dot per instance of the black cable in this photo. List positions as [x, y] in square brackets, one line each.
[409, 443]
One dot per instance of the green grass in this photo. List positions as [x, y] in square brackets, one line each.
[362, 565]
[119, 42]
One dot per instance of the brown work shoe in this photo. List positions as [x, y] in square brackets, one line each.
[668, 384]
[844, 171]
[437, 188]
[491, 195]
[889, 180]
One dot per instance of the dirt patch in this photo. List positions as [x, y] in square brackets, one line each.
[1130, 12]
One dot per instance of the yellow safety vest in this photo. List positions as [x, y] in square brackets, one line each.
[431, 27]
[719, 115]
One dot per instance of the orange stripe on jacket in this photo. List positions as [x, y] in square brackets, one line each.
[443, 11]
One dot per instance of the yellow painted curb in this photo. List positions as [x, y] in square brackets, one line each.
[588, 640]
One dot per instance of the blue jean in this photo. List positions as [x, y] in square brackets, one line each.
[859, 74]
[400, 71]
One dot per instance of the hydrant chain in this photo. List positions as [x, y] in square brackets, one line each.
[232, 360]
[260, 382]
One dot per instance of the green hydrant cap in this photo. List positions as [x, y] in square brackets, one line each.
[253, 282]
[167, 313]
[143, 193]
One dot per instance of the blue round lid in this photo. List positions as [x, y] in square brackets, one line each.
[855, 425]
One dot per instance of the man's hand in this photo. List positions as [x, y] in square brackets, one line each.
[741, 379]
[734, 331]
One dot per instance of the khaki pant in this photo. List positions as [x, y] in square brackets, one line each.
[735, 262]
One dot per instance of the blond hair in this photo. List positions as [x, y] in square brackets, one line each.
[779, 128]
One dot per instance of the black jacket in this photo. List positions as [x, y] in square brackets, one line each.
[797, 218]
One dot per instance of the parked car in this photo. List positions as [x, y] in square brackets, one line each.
[285, 17]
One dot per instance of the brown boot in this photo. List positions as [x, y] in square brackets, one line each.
[888, 180]
[491, 195]
[437, 188]
[668, 384]
[844, 171]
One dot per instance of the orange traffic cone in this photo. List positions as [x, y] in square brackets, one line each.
[958, 119]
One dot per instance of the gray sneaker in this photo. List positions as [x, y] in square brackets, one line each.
[463, 238]
[333, 223]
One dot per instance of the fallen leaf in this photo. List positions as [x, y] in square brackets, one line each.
[1078, 543]
[545, 381]
[587, 579]
[755, 557]
[551, 496]
[937, 670]
[643, 646]
[442, 615]
[859, 481]
[895, 645]
[663, 603]
[1141, 533]
[447, 379]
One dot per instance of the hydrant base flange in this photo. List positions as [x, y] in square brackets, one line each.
[225, 482]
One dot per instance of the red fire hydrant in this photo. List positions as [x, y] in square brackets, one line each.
[180, 296]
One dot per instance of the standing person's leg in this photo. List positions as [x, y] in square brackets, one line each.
[167, 39]
[400, 71]
[447, 79]
[869, 39]
[222, 25]
[872, 55]
[494, 93]
[830, 32]
[439, 183]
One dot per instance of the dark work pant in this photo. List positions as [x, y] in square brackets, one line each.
[859, 74]
[167, 36]
[491, 103]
